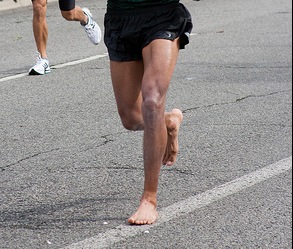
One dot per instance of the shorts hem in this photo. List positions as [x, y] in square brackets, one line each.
[126, 44]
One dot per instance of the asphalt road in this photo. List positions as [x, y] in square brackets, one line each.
[70, 175]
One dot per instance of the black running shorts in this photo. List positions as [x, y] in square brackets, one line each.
[127, 32]
[66, 5]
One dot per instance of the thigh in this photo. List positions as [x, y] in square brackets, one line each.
[160, 58]
[127, 80]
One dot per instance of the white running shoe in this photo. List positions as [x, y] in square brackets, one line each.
[42, 66]
[92, 29]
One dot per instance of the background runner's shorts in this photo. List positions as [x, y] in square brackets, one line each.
[127, 32]
[66, 5]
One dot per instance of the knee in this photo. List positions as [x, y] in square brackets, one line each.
[154, 95]
[153, 105]
[68, 15]
[131, 125]
[153, 111]
[131, 121]
[39, 8]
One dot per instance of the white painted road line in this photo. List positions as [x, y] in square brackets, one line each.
[72, 63]
[13, 77]
[184, 207]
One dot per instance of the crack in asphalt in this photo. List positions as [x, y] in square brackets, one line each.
[107, 139]
[235, 101]
[3, 168]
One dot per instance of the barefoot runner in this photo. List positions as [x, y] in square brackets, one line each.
[143, 38]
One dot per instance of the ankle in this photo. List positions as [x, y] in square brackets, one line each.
[149, 197]
[86, 21]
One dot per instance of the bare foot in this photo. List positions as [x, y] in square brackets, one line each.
[173, 121]
[146, 214]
